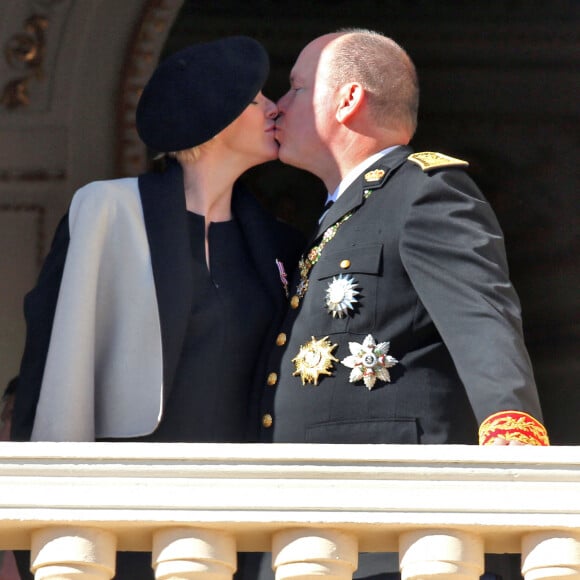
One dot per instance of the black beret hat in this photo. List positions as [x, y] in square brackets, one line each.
[198, 91]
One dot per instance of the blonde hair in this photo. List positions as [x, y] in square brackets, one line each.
[192, 154]
[384, 70]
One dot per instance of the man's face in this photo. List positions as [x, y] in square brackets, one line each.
[306, 111]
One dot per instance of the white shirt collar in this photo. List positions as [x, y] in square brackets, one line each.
[356, 171]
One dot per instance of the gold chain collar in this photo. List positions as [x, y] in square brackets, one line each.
[307, 261]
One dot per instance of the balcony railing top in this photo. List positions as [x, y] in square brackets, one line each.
[376, 491]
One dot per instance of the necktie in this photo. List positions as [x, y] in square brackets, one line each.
[327, 206]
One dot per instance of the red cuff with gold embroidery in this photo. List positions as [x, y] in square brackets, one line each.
[513, 426]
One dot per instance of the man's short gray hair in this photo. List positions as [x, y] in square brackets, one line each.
[383, 69]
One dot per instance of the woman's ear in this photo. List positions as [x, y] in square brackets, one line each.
[350, 99]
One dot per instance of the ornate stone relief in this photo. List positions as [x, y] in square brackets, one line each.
[25, 52]
[142, 58]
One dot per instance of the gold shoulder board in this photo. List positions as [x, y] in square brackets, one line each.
[427, 160]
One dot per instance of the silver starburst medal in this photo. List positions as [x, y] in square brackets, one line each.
[341, 295]
[369, 361]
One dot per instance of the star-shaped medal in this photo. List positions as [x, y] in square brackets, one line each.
[369, 361]
[314, 359]
[340, 295]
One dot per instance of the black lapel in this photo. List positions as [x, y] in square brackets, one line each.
[373, 177]
[257, 227]
[164, 212]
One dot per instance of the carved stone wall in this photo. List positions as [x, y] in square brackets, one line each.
[61, 65]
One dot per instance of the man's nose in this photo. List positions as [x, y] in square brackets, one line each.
[282, 104]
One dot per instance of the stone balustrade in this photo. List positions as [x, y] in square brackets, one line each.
[315, 507]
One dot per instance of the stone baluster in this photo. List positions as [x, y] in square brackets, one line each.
[73, 553]
[551, 555]
[449, 554]
[186, 553]
[301, 554]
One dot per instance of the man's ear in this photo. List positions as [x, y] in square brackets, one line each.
[350, 99]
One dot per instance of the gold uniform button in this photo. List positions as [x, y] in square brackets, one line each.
[294, 302]
[345, 264]
[272, 379]
[281, 339]
[267, 420]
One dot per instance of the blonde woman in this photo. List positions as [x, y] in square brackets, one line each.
[154, 308]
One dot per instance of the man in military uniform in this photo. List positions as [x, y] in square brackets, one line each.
[403, 325]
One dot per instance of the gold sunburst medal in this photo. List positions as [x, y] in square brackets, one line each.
[314, 359]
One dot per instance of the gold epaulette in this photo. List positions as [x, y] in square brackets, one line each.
[428, 160]
[513, 426]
